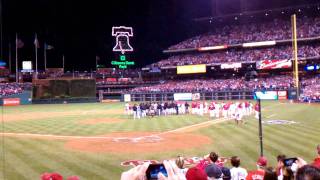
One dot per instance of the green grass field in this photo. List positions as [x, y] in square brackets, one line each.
[28, 158]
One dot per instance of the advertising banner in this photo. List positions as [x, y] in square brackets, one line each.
[190, 69]
[11, 101]
[182, 96]
[231, 66]
[274, 64]
[266, 95]
[127, 98]
[282, 95]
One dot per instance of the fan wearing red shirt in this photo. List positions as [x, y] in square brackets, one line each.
[259, 173]
[316, 161]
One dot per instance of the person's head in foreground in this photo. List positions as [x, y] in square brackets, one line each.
[213, 157]
[226, 174]
[270, 174]
[180, 162]
[235, 161]
[196, 173]
[262, 162]
[308, 172]
[213, 172]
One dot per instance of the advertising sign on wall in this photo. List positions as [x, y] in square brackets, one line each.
[182, 96]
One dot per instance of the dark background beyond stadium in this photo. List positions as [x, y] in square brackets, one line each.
[82, 29]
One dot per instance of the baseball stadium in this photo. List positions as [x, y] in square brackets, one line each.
[172, 90]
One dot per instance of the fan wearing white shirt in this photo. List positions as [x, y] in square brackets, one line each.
[237, 172]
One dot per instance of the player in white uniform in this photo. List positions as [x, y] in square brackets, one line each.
[127, 108]
[201, 109]
[239, 113]
[217, 110]
[138, 112]
[232, 110]
[212, 111]
[206, 107]
[225, 109]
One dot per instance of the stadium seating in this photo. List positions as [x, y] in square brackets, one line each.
[7, 89]
[243, 55]
[236, 34]
[311, 89]
[277, 82]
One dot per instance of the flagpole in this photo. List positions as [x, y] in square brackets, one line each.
[96, 63]
[45, 56]
[36, 50]
[17, 71]
[63, 63]
[10, 57]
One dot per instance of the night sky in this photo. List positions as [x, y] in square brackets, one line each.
[82, 29]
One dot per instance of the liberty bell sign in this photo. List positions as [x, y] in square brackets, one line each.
[122, 35]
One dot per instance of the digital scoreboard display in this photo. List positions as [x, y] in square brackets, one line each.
[192, 69]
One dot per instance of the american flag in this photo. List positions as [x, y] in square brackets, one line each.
[36, 42]
[19, 43]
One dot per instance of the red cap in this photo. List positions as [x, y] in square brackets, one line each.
[262, 161]
[56, 176]
[45, 176]
[196, 174]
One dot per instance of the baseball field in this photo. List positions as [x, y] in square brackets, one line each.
[92, 140]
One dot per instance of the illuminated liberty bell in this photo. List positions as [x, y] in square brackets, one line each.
[122, 35]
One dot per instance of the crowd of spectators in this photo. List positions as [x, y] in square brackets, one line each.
[277, 29]
[7, 89]
[243, 55]
[311, 89]
[213, 167]
[209, 85]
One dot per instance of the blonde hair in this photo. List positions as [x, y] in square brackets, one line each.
[180, 162]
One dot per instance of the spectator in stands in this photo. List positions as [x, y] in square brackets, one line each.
[237, 172]
[195, 173]
[270, 174]
[212, 158]
[241, 55]
[135, 173]
[316, 161]
[7, 89]
[281, 169]
[226, 173]
[139, 172]
[308, 172]
[213, 171]
[259, 173]
[209, 85]
[251, 32]
[180, 164]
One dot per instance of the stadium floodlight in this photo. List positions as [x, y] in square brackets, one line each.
[213, 48]
[122, 34]
[261, 43]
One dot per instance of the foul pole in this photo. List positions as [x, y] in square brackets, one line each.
[295, 54]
